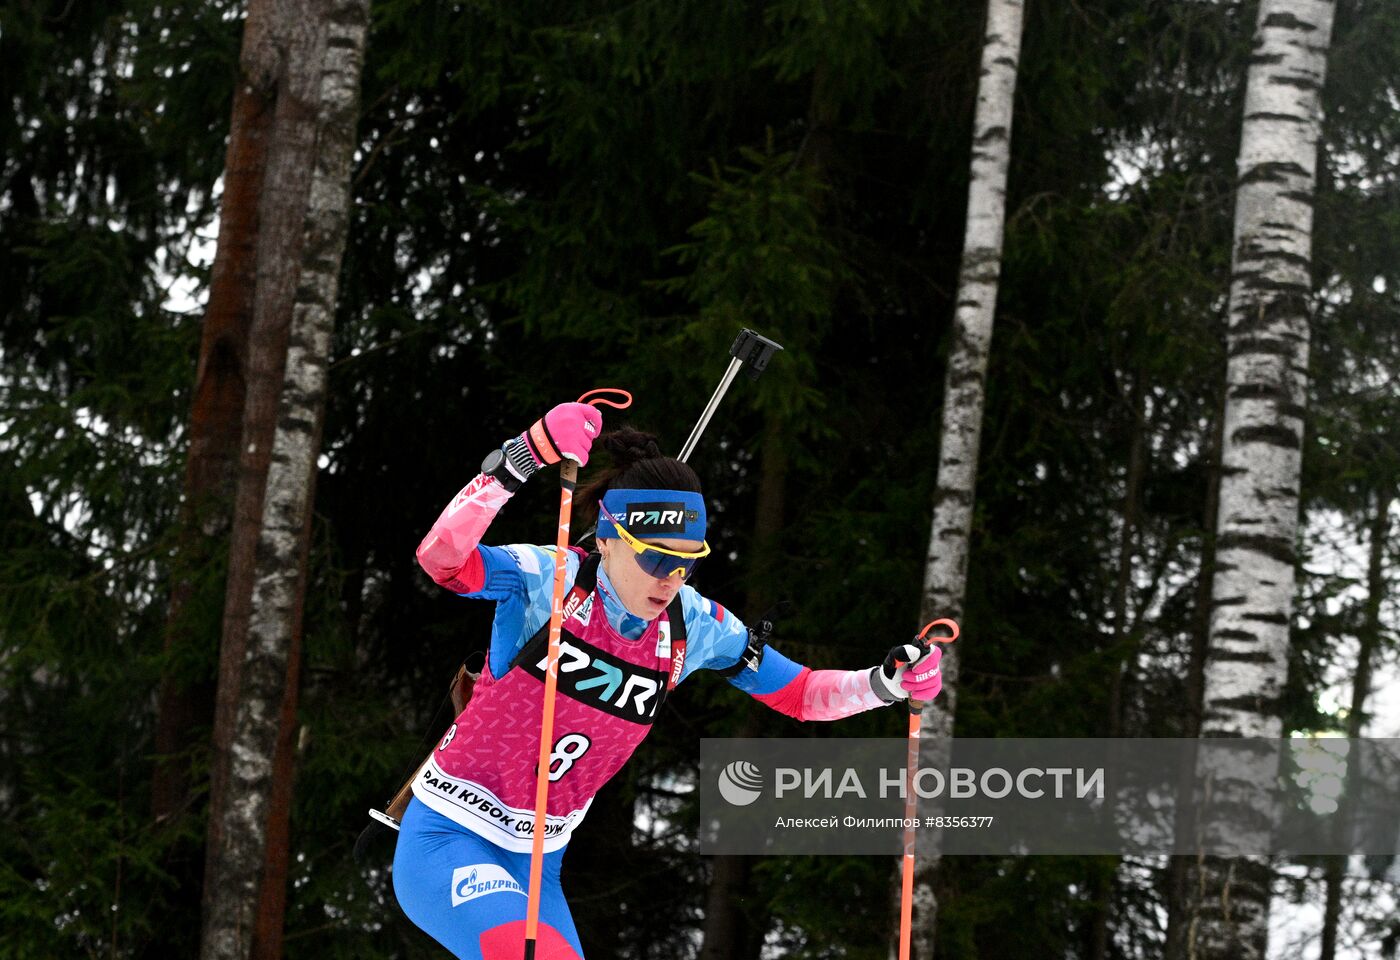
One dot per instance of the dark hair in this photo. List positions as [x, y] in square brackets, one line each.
[636, 463]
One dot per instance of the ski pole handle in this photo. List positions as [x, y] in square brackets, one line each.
[748, 348]
[924, 641]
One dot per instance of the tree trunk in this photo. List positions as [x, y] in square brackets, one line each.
[264, 68]
[216, 416]
[184, 710]
[1126, 652]
[318, 50]
[727, 933]
[1266, 395]
[281, 45]
[1356, 716]
[964, 391]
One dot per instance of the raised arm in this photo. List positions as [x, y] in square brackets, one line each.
[449, 552]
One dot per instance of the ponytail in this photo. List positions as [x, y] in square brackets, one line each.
[637, 463]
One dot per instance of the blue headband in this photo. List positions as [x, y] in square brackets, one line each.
[677, 514]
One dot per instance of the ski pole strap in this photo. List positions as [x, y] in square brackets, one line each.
[599, 401]
[923, 639]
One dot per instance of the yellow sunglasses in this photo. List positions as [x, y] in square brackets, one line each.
[659, 562]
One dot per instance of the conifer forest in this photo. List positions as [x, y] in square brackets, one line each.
[1090, 316]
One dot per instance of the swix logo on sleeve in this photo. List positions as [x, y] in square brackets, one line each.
[651, 519]
[678, 664]
[480, 879]
[590, 676]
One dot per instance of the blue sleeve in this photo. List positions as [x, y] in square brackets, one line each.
[774, 672]
[716, 639]
[520, 578]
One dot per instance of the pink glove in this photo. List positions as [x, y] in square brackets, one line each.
[895, 679]
[924, 680]
[566, 431]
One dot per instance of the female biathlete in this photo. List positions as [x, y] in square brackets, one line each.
[632, 631]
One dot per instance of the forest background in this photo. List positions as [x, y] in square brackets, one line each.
[551, 197]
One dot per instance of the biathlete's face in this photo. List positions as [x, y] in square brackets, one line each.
[643, 594]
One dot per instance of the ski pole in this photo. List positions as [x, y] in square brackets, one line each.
[748, 347]
[911, 804]
[568, 479]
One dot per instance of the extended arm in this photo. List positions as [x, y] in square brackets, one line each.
[832, 694]
[742, 655]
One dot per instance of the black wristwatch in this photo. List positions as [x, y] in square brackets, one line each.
[511, 464]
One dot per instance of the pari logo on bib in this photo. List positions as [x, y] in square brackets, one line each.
[481, 879]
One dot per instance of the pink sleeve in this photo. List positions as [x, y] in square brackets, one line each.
[824, 695]
[448, 552]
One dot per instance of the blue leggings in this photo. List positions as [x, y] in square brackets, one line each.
[471, 895]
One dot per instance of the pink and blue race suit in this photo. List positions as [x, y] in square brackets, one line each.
[462, 861]
[610, 688]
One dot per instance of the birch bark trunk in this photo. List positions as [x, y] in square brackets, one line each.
[964, 392]
[1266, 395]
[275, 61]
[305, 210]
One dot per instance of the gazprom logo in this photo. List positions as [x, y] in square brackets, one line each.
[481, 879]
[741, 783]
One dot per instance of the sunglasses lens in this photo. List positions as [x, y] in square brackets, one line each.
[662, 565]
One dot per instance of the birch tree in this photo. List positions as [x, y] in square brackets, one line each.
[1266, 393]
[324, 55]
[964, 391]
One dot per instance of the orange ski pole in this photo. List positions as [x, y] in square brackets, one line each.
[568, 479]
[911, 803]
